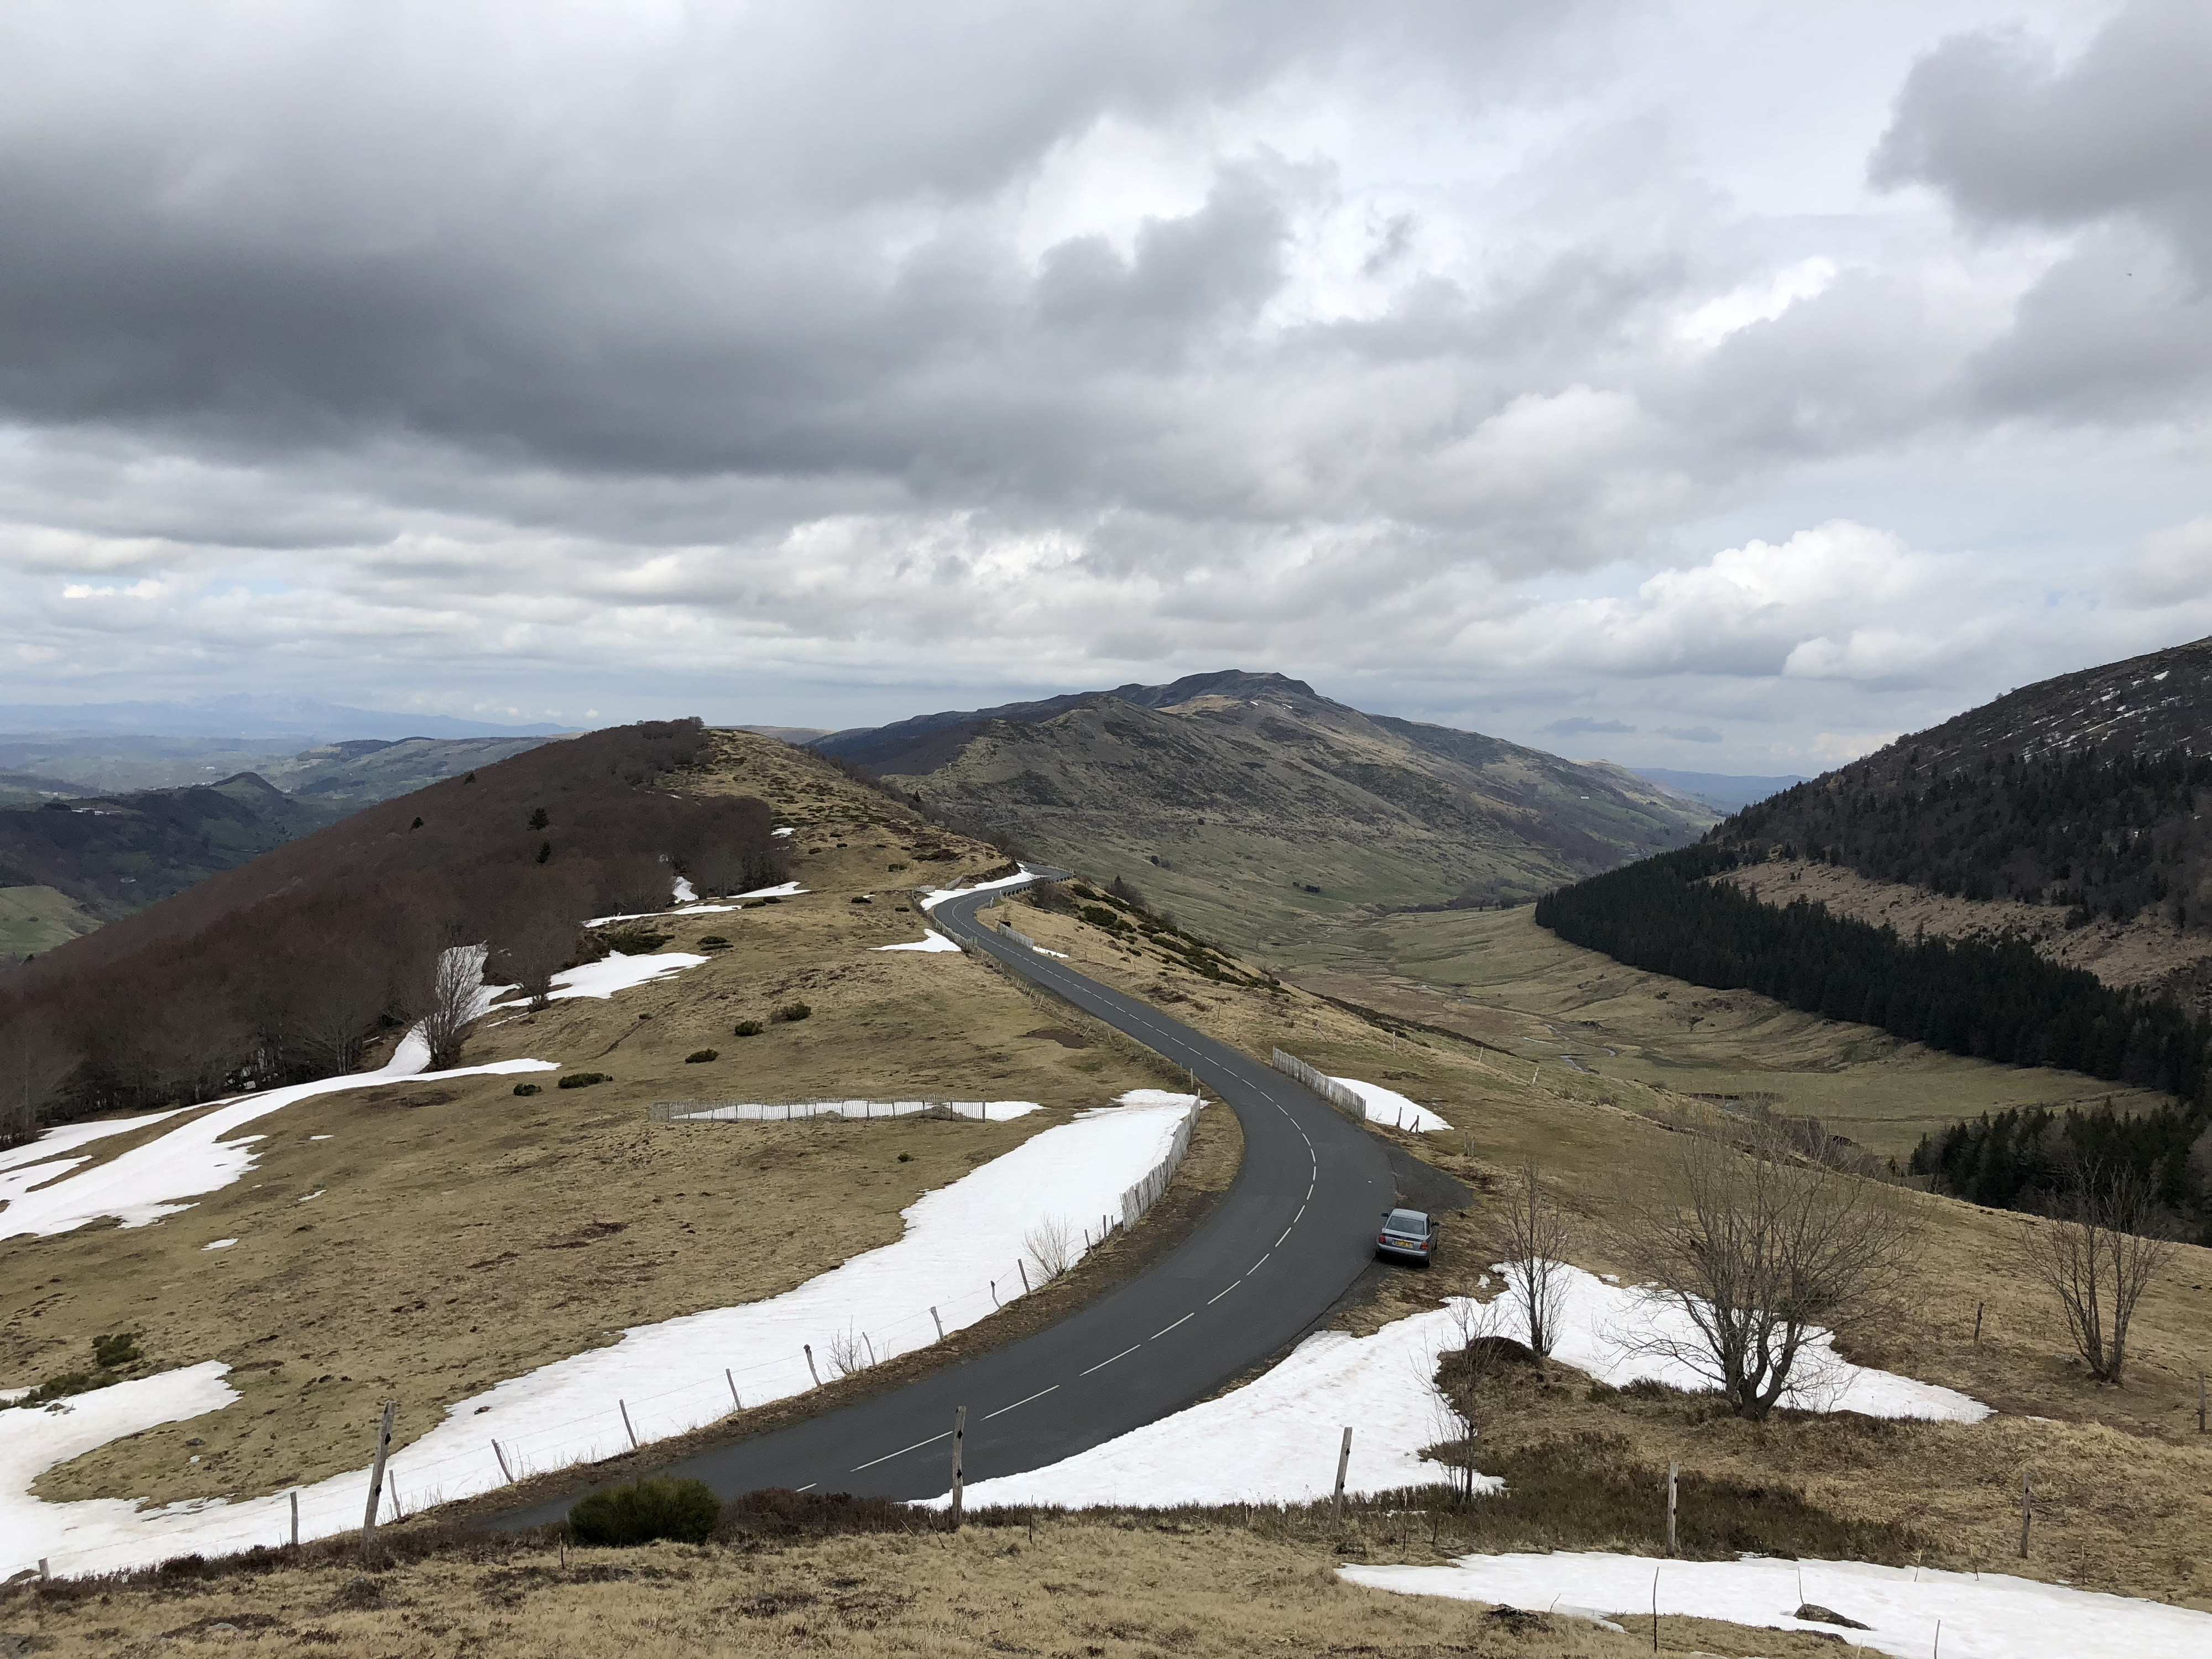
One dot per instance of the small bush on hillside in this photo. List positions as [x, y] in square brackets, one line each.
[111, 1356]
[714, 942]
[526, 1089]
[635, 941]
[685, 1510]
[701, 1056]
[584, 1079]
[747, 1028]
[793, 1011]
[1099, 916]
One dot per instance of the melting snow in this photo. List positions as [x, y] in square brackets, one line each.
[958, 1240]
[1389, 1106]
[1275, 1439]
[931, 940]
[1986, 1616]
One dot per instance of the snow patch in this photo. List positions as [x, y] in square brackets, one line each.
[937, 896]
[959, 1241]
[1274, 1440]
[613, 972]
[220, 1244]
[931, 940]
[1389, 1106]
[1986, 1616]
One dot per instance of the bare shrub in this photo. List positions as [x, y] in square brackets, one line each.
[2105, 1242]
[1538, 1238]
[1472, 1355]
[1051, 1245]
[449, 1005]
[1760, 1253]
[849, 1352]
[540, 946]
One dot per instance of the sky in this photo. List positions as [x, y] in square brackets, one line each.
[1728, 386]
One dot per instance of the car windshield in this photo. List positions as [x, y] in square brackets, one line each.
[1406, 1221]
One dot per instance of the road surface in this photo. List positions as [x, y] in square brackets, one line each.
[1294, 1230]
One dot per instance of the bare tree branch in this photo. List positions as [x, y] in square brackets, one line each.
[1538, 1239]
[1761, 1253]
[2103, 1243]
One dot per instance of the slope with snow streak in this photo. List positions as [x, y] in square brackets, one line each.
[1984, 1616]
[1274, 1440]
[668, 1377]
[197, 1157]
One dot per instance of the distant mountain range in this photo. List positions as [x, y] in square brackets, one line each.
[249, 717]
[1724, 792]
[1260, 812]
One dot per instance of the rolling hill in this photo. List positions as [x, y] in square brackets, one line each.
[1259, 811]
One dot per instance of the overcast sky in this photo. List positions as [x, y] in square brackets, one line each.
[1727, 385]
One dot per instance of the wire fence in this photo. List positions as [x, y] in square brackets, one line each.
[460, 1458]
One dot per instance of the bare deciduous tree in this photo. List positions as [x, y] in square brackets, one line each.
[451, 1004]
[849, 1352]
[2102, 1244]
[535, 951]
[1051, 1245]
[1537, 1240]
[34, 1062]
[1759, 1252]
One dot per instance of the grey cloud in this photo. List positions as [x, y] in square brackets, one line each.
[2012, 137]
[1690, 733]
[1581, 724]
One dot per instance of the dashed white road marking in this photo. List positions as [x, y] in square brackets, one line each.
[1103, 1364]
[900, 1452]
[1024, 1401]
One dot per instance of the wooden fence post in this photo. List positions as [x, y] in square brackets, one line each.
[631, 1433]
[2027, 1510]
[1024, 1268]
[1343, 1462]
[295, 1517]
[376, 1481]
[811, 1371]
[503, 1469]
[1673, 1472]
[940, 1323]
[959, 1440]
[736, 1404]
[1978, 1321]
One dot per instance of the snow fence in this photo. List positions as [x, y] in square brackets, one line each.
[1007, 928]
[1351, 1103]
[1146, 1192]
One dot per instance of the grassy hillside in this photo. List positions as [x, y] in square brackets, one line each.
[367, 771]
[464, 1234]
[1257, 811]
[113, 854]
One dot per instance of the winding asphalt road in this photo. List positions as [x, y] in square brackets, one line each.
[1295, 1229]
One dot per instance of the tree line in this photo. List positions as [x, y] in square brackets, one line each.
[1995, 1000]
[288, 968]
[2103, 832]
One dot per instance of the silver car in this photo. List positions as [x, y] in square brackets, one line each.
[1407, 1236]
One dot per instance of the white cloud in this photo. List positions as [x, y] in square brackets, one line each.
[1760, 300]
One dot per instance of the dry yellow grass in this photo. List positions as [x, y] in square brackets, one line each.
[1080, 1586]
[464, 1235]
[2119, 1455]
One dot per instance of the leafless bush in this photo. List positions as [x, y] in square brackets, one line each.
[2103, 1243]
[1051, 1245]
[849, 1352]
[1538, 1238]
[450, 1004]
[1471, 1356]
[1759, 1252]
[540, 947]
